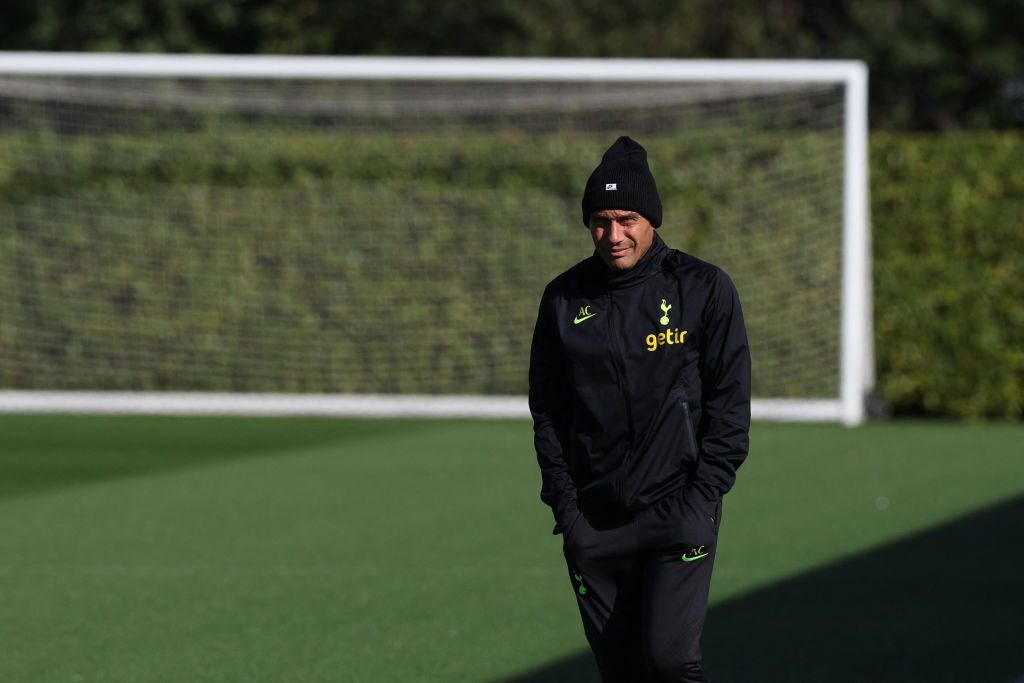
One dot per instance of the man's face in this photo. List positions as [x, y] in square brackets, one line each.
[621, 237]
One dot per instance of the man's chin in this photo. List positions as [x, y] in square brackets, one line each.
[620, 263]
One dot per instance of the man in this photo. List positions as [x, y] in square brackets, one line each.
[640, 394]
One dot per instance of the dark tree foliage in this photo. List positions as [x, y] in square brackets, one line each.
[935, 64]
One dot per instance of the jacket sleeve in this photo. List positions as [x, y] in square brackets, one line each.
[725, 377]
[551, 410]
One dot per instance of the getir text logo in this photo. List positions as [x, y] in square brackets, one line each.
[655, 340]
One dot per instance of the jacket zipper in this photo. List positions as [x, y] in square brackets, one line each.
[696, 454]
[689, 428]
[621, 380]
[620, 371]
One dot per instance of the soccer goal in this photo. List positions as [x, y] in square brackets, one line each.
[371, 236]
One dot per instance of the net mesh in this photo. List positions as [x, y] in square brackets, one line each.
[385, 237]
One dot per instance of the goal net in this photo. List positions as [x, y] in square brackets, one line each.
[372, 236]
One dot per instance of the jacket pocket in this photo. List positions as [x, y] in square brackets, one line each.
[663, 459]
[691, 438]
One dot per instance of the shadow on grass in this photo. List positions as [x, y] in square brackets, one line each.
[943, 605]
[44, 452]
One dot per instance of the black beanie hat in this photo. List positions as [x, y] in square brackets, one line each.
[623, 181]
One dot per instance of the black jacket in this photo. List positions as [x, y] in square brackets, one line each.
[639, 384]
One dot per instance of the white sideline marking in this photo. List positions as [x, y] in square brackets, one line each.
[338, 405]
[199, 403]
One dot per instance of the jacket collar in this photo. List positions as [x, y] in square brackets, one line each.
[649, 264]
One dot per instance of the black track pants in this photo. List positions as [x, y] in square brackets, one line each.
[642, 588]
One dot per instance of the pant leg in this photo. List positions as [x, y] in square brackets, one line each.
[605, 576]
[680, 543]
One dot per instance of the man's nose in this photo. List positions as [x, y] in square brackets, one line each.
[614, 232]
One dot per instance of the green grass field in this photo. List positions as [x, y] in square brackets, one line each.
[174, 549]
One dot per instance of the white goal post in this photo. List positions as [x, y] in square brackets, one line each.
[853, 368]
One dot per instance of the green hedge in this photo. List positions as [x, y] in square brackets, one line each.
[949, 273]
[216, 298]
[298, 261]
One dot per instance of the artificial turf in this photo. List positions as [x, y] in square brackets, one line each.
[216, 549]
